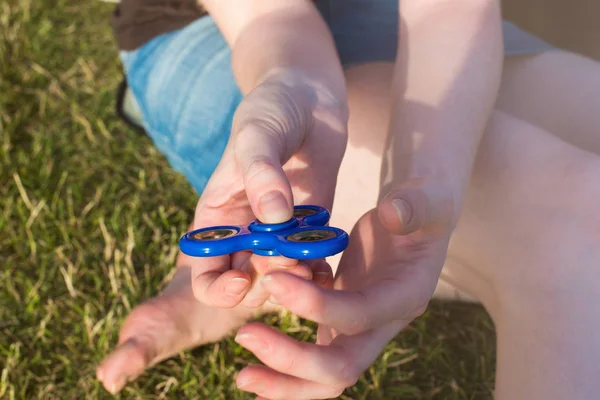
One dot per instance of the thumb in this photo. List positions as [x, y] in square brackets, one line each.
[269, 127]
[267, 187]
[417, 205]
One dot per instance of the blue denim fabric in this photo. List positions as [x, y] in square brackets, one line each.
[186, 91]
[187, 94]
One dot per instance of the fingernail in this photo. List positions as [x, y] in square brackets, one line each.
[257, 387]
[273, 300]
[403, 210]
[237, 286]
[243, 382]
[118, 385]
[274, 207]
[100, 374]
[252, 343]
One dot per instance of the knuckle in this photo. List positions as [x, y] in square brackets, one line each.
[336, 392]
[354, 327]
[360, 322]
[268, 118]
[419, 310]
[271, 127]
[350, 380]
[258, 166]
[258, 152]
[289, 363]
[273, 113]
[199, 292]
[310, 305]
[349, 373]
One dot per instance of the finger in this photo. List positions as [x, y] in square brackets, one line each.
[269, 126]
[215, 285]
[257, 266]
[337, 309]
[280, 352]
[264, 265]
[364, 348]
[259, 154]
[417, 205]
[352, 312]
[239, 259]
[319, 271]
[269, 384]
[359, 351]
[322, 273]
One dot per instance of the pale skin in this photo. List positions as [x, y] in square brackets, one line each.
[506, 174]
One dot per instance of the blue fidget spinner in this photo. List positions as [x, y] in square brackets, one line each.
[305, 236]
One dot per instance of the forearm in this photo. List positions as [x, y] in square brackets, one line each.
[445, 85]
[274, 36]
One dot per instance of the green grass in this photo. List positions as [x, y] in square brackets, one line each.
[90, 214]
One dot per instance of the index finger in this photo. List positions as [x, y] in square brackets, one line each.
[348, 312]
[215, 284]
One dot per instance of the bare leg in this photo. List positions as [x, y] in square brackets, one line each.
[557, 91]
[526, 246]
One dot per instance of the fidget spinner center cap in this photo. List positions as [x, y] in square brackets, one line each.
[257, 226]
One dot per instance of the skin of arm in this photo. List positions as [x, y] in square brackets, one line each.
[274, 36]
[446, 80]
[294, 112]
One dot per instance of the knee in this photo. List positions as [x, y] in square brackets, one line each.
[530, 225]
[183, 79]
[557, 257]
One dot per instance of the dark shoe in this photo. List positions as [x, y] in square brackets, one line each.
[128, 108]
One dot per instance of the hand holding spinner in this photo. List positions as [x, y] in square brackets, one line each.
[305, 236]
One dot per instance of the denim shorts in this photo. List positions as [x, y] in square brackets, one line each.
[184, 90]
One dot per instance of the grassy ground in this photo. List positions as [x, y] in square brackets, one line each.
[89, 217]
